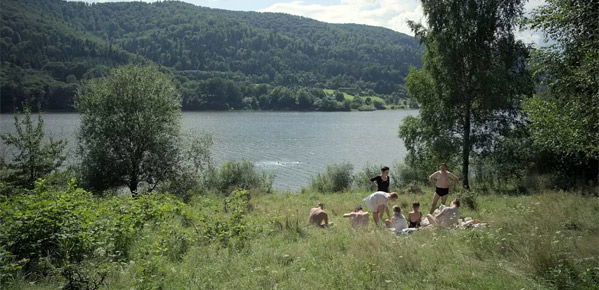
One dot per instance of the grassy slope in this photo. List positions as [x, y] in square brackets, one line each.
[528, 239]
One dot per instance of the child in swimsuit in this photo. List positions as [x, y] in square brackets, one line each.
[415, 216]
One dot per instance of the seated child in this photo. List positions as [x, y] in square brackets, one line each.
[398, 222]
[415, 216]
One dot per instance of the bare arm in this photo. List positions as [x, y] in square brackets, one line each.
[387, 211]
[432, 178]
[452, 176]
[348, 215]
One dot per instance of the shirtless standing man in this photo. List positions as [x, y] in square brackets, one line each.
[318, 216]
[358, 217]
[441, 180]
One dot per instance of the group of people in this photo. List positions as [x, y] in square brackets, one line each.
[378, 204]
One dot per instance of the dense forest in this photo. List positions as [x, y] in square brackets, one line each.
[220, 59]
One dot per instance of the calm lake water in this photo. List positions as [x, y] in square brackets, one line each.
[293, 145]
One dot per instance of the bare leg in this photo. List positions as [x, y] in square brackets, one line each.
[326, 219]
[431, 219]
[434, 205]
[444, 199]
[375, 216]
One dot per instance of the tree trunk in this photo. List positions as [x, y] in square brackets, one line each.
[466, 148]
[133, 184]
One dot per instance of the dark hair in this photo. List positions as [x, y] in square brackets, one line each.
[358, 207]
[397, 209]
[443, 165]
[393, 195]
[457, 202]
[415, 204]
[385, 168]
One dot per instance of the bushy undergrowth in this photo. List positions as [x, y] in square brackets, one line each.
[239, 175]
[336, 178]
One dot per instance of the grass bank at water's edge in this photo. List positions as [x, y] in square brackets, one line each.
[540, 241]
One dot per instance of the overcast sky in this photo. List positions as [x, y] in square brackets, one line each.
[392, 14]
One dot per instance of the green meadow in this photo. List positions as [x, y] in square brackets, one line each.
[544, 240]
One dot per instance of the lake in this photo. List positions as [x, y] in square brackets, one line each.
[293, 145]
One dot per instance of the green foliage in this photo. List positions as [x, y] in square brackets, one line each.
[33, 157]
[336, 178]
[362, 178]
[129, 128]
[564, 115]
[51, 228]
[239, 175]
[47, 47]
[473, 77]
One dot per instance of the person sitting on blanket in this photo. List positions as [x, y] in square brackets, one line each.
[377, 203]
[398, 222]
[318, 216]
[447, 217]
[415, 216]
[358, 217]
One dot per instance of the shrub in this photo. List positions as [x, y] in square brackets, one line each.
[362, 178]
[336, 178]
[46, 225]
[52, 228]
[239, 175]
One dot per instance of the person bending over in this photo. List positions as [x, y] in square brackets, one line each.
[358, 217]
[378, 204]
[441, 180]
[382, 181]
[318, 216]
[447, 217]
[415, 216]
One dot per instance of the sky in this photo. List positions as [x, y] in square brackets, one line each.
[392, 14]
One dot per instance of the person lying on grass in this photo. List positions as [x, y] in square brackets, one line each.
[447, 217]
[358, 217]
[398, 222]
[441, 180]
[415, 216]
[318, 216]
[377, 203]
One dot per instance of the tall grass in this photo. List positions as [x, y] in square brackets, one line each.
[541, 241]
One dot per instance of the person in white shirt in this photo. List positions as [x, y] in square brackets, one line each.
[398, 222]
[377, 203]
[447, 217]
[441, 180]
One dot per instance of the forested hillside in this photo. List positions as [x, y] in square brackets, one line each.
[220, 59]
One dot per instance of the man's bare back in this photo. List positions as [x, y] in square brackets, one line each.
[318, 217]
[358, 218]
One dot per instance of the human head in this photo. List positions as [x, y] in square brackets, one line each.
[393, 196]
[385, 170]
[456, 202]
[443, 166]
[415, 205]
[358, 208]
[396, 210]
[321, 205]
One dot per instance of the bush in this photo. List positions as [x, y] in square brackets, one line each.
[51, 228]
[336, 178]
[362, 178]
[239, 175]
